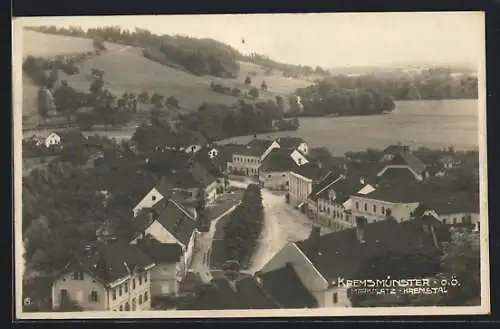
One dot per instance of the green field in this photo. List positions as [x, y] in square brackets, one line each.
[126, 70]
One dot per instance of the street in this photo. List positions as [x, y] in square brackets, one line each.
[282, 224]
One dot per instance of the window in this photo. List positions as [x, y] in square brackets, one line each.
[145, 277]
[134, 304]
[140, 299]
[366, 206]
[383, 210]
[153, 198]
[454, 220]
[133, 284]
[121, 308]
[114, 294]
[146, 296]
[268, 176]
[140, 279]
[78, 276]
[127, 306]
[126, 287]
[283, 175]
[94, 297]
[374, 208]
[335, 298]
[444, 220]
[357, 205]
[120, 291]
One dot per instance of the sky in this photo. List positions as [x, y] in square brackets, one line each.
[327, 39]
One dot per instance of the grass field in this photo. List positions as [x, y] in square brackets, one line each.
[126, 70]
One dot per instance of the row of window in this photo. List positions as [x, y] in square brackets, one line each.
[270, 176]
[143, 277]
[246, 160]
[330, 212]
[383, 210]
[126, 307]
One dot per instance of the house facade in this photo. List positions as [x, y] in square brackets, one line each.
[245, 164]
[275, 168]
[90, 284]
[170, 223]
[301, 182]
[377, 208]
[322, 262]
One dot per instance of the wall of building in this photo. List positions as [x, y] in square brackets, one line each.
[311, 279]
[400, 211]
[211, 192]
[249, 164]
[79, 292]
[164, 280]
[333, 215]
[327, 298]
[52, 139]
[273, 146]
[458, 218]
[274, 180]
[299, 188]
[152, 198]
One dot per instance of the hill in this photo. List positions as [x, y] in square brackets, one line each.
[127, 70]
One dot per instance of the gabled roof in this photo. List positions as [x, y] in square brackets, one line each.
[396, 193]
[324, 184]
[263, 144]
[311, 171]
[112, 261]
[289, 142]
[449, 203]
[161, 253]
[71, 136]
[340, 254]
[241, 294]
[343, 189]
[408, 159]
[285, 286]
[279, 159]
[177, 220]
[201, 174]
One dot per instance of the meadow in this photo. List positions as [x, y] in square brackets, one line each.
[126, 70]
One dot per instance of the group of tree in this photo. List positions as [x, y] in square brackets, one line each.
[289, 70]
[198, 56]
[225, 90]
[218, 121]
[244, 227]
[373, 93]
[326, 98]
[74, 208]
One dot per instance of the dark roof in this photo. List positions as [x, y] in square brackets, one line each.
[393, 149]
[279, 159]
[211, 165]
[112, 261]
[449, 203]
[409, 159]
[168, 159]
[287, 289]
[255, 151]
[160, 252]
[72, 136]
[343, 189]
[396, 175]
[340, 254]
[177, 220]
[241, 294]
[310, 170]
[290, 142]
[397, 193]
[260, 143]
[321, 185]
[201, 174]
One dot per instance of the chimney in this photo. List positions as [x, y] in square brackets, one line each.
[315, 232]
[362, 180]
[360, 229]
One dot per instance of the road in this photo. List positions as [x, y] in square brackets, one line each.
[204, 241]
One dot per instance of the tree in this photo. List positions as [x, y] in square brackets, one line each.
[248, 80]
[263, 86]
[461, 258]
[143, 97]
[45, 103]
[67, 100]
[172, 101]
[254, 92]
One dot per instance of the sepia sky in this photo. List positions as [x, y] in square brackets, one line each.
[329, 40]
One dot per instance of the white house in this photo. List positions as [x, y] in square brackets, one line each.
[110, 276]
[275, 168]
[169, 222]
